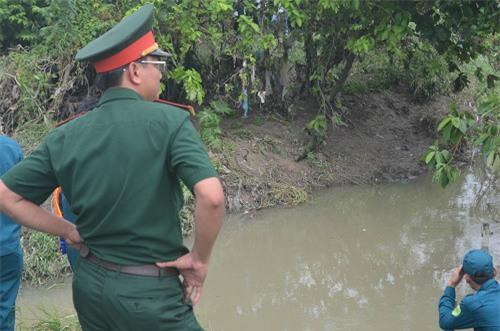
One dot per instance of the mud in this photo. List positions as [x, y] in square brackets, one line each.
[382, 138]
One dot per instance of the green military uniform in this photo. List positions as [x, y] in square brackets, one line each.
[119, 166]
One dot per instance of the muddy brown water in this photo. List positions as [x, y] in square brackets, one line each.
[354, 258]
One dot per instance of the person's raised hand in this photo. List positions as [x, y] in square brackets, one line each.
[456, 276]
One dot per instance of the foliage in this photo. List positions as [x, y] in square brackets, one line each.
[37, 80]
[192, 83]
[42, 261]
[51, 320]
[210, 119]
[223, 48]
[317, 126]
[29, 135]
[440, 160]
[427, 72]
[487, 135]
[20, 21]
[460, 127]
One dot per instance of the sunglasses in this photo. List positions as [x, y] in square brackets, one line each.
[160, 65]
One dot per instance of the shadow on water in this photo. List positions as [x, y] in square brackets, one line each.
[355, 258]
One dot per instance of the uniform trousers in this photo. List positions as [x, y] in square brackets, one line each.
[107, 300]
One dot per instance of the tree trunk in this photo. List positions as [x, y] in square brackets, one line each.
[310, 51]
[339, 84]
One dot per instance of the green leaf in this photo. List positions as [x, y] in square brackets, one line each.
[446, 155]
[443, 179]
[439, 158]
[463, 126]
[355, 4]
[429, 157]
[221, 107]
[491, 159]
[443, 123]
[479, 140]
[446, 133]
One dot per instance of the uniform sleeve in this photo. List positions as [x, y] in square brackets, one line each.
[188, 158]
[33, 178]
[451, 317]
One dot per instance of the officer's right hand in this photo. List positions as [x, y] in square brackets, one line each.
[193, 272]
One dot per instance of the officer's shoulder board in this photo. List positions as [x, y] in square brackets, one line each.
[187, 108]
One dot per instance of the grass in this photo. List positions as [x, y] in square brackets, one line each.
[283, 194]
[243, 134]
[42, 260]
[30, 134]
[51, 320]
[258, 120]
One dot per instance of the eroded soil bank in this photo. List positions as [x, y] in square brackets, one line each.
[382, 139]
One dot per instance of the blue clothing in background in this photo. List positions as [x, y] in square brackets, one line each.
[10, 154]
[68, 215]
[480, 310]
[11, 254]
[11, 270]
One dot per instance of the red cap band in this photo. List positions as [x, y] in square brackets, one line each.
[139, 48]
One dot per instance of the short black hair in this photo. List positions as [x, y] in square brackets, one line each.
[481, 277]
[109, 79]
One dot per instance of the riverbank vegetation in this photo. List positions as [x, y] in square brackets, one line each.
[290, 95]
[51, 320]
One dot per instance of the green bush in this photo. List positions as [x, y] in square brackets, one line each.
[427, 74]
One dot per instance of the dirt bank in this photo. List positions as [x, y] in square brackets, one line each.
[384, 135]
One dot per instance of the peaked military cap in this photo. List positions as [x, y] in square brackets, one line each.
[126, 42]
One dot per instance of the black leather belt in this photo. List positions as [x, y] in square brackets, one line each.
[141, 270]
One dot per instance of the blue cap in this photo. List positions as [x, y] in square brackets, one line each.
[478, 260]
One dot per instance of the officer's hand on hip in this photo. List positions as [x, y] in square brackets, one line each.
[193, 273]
[73, 238]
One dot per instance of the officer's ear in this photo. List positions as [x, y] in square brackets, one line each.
[494, 272]
[133, 73]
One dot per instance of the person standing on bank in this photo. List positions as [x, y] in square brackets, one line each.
[480, 310]
[120, 167]
[11, 253]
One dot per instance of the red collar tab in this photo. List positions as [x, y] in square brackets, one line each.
[188, 108]
[72, 117]
[139, 48]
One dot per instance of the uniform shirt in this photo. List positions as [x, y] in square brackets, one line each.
[10, 154]
[119, 167]
[480, 310]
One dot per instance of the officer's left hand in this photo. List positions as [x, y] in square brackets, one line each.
[193, 273]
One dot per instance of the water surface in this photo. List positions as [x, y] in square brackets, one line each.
[354, 258]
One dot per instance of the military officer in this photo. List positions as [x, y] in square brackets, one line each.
[480, 310]
[119, 167]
